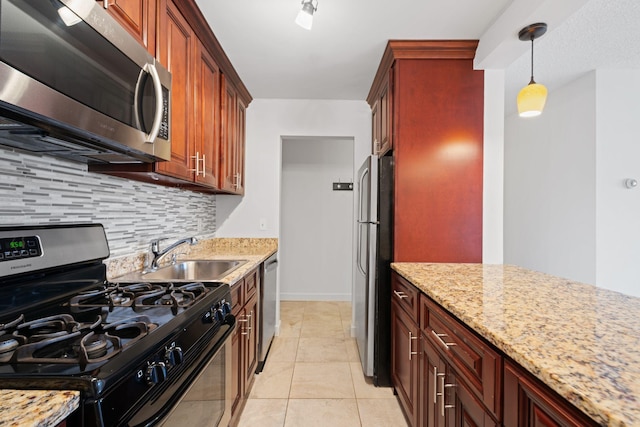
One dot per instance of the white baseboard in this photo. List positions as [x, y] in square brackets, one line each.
[314, 297]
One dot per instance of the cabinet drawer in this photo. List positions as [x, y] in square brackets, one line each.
[405, 294]
[476, 363]
[250, 285]
[236, 297]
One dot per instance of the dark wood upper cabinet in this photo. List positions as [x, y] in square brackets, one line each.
[233, 140]
[177, 50]
[433, 101]
[138, 17]
[207, 126]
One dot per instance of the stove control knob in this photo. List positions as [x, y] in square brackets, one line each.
[226, 307]
[173, 356]
[219, 315]
[156, 373]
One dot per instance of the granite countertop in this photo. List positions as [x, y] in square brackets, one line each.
[582, 341]
[41, 408]
[26, 408]
[253, 250]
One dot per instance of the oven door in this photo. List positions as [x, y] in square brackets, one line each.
[200, 396]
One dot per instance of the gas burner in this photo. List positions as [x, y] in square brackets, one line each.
[47, 327]
[171, 296]
[79, 343]
[95, 346]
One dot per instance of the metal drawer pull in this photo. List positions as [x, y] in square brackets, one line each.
[445, 344]
[411, 338]
[401, 295]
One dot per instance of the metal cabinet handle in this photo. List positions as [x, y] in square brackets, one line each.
[435, 385]
[411, 338]
[243, 320]
[443, 405]
[197, 161]
[438, 337]
[401, 294]
[250, 316]
[197, 170]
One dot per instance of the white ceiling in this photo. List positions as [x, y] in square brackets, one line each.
[338, 58]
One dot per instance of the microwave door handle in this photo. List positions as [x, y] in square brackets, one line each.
[157, 86]
[136, 97]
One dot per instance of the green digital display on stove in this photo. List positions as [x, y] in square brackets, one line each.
[12, 248]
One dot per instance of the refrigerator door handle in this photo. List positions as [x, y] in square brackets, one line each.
[363, 176]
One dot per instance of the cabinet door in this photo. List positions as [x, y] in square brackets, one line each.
[227, 153]
[375, 127]
[461, 406]
[385, 100]
[251, 343]
[433, 368]
[529, 404]
[404, 361]
[138, 17]
[207, 113]
[241, 115]
[176, 53]
[237, 372]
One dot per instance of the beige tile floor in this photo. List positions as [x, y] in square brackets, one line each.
[313, 375]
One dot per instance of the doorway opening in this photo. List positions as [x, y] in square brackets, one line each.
[316, 221]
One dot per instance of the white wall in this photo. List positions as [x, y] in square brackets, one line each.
[493, 167]
[618, 158]
[267, 121]
[317, 222]
[550, 185]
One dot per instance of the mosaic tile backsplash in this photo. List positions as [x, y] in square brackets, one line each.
[45, 190]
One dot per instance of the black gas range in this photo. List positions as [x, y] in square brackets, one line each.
[135, 351]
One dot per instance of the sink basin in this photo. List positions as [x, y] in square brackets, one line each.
[190, 270]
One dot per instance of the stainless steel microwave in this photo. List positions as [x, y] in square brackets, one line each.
[75, 84]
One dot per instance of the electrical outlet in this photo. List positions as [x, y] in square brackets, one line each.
[263, 223]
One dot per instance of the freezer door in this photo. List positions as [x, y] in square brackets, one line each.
[364, 289]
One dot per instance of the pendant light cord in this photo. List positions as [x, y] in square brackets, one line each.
[532, 81]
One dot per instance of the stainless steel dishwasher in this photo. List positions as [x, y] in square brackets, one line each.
[268, 296]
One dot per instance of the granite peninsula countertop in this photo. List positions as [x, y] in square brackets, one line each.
[27, 408]
[581, 340]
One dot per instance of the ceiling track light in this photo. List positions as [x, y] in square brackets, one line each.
[305, 16]
[532, 97]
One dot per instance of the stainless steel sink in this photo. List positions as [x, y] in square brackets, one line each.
[189, 270]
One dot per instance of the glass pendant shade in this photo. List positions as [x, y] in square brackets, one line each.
[531, 100]
[305, 16]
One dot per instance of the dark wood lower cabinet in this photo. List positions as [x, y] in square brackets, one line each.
[528, 403]
[244, 342]
[446, 375]
[404, 360]
[446, 399]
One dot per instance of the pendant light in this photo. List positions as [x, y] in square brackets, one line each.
[532, 97]
[305, 16]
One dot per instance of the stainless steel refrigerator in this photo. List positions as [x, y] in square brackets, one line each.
[374, 251]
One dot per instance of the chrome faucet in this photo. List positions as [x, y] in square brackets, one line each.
[157, 253]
